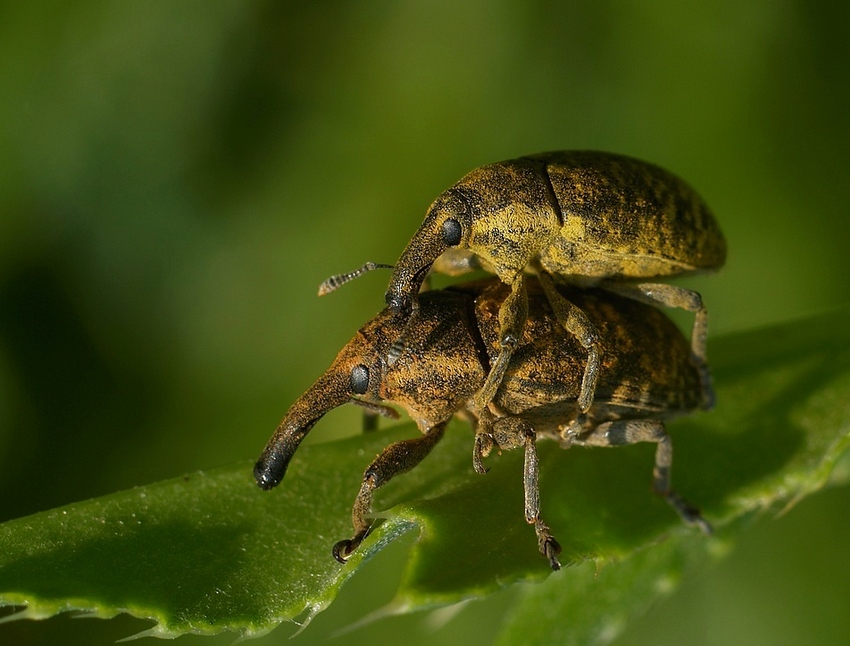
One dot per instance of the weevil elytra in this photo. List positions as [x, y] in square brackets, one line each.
[647, 374]
[592, 218]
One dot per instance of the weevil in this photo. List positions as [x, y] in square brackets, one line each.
[647, 375]
[592, 218]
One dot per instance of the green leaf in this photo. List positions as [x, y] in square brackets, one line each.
[211, 552]
[202, 553]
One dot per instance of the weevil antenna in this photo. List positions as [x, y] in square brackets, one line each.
[395, 350]
[400, 344]
[338, 280]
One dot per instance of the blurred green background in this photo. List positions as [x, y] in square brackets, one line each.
[176, 178]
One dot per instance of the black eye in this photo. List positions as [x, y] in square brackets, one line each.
[451, 232]
[360, 379]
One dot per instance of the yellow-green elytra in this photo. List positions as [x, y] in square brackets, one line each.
[585, 217]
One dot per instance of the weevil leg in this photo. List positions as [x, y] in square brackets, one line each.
[622, 432]
[481, 449]
[512, 316]
[511, 433]
[673, 296]
[575, 321]
[397, 458]
[452, 262]
[484, 440]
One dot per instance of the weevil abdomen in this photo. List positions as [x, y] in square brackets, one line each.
[626, 218]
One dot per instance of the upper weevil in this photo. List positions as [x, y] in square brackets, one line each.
[591, 218]
[647, 374]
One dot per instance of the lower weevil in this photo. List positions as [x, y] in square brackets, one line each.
[648, 374]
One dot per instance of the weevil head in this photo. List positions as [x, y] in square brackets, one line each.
[503, 214]
[356, 372]
[446, 226]
[437, 369]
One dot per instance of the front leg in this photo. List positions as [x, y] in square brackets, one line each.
[456, 262]
[397, 458]
[622, 432]
[512, 316]
[484, 442]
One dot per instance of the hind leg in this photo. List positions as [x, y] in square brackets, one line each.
[623, 432]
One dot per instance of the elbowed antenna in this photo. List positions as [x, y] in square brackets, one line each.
[338, 280]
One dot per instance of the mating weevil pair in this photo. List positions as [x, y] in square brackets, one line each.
[528, 356]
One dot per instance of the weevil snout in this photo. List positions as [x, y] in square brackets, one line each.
[446, 226]
[270, 469]
[332, 389]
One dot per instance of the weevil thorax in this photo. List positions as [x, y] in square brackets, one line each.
[514, 214]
